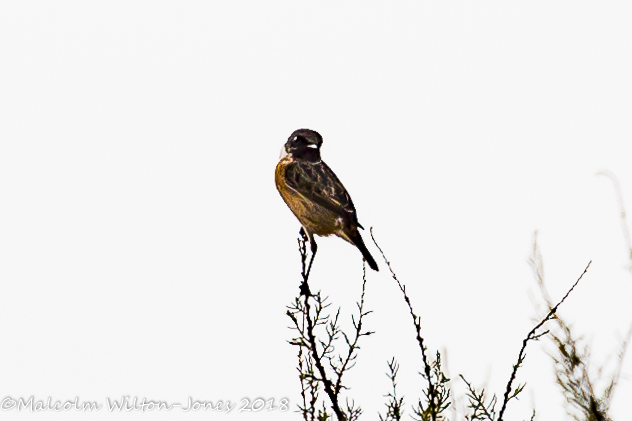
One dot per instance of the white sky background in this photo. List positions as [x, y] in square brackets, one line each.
[145, 251]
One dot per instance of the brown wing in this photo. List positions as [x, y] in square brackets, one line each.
[318, 183]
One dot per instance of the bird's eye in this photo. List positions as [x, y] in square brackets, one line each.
[295, 138]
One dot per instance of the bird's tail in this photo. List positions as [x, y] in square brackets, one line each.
[356, 239]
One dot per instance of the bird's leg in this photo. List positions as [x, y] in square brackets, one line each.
[304, 286]
[302, 240]
[313, 247]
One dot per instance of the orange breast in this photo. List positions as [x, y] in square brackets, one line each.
[312, 216]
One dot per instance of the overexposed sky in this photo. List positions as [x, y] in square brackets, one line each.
[145, 252]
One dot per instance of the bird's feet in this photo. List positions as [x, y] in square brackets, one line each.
[304, 288]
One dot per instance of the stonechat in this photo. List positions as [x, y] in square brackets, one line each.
[315, 195]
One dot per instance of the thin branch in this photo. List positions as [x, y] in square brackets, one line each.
[446, 370]
[394, 407]
[532, 336]
[320, 352]
[628, 241]
[609, 393]
[417, 323]
[480, 411]
[304, 409]
[358, 333]
[333, 397]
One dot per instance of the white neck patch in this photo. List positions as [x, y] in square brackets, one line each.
[283, 153]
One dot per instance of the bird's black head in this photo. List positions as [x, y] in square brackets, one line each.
[304, 144]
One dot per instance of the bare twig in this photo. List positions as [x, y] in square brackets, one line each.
[307, 314]
[353, 346]
[533, 335]
[571, 363]
[304, 409]
[446, 370]
[308, 339]
[628, 242]
[609, 393]
[394, 406]
[327, 384]
[432, 394]
[480, 411]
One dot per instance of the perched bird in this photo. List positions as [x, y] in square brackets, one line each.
[315, 195]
